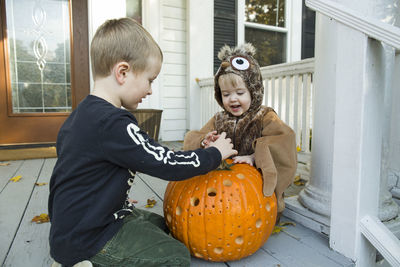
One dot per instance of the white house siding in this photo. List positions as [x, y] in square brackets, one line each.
[173, 44]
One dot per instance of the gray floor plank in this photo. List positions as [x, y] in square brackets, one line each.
[317, 242]
[156, 184]
[13, 201]
[259, 259]
[292, 253]
[202, 263]
[141, 192]
[31, 246]
[8, 171]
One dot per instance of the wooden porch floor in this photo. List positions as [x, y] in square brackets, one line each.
[24, 243]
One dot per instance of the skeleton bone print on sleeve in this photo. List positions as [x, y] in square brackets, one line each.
[159, 152]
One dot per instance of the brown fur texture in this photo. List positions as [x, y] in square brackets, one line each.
[242, 131]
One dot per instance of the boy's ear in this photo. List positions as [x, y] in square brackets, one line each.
[121, 70]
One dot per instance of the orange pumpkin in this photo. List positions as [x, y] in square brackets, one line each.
[222, 215]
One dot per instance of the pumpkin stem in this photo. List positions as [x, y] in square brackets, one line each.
[225, 166]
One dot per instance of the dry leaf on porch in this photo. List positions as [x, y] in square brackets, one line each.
[40, 184]
[42, 218]
[150, 203]
[277, 229]
[287, 223]
[4, 163]
[298, 181]
[16, 178]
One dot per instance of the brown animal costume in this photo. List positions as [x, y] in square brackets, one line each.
[259, 130]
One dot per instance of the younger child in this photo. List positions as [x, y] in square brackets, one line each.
[100, 148]
[256, 131]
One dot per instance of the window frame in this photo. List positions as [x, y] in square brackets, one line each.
[293, 22]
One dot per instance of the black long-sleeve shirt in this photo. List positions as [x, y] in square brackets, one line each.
[100, 148]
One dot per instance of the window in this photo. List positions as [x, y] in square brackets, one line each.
[224, 27]
[265, 28]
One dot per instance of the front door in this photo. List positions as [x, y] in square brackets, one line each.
[44, 69]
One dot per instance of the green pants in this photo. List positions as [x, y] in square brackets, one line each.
[143, 240]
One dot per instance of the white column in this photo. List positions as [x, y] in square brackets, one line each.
[388, 209]
[312, 206]
[394, 140]
[200, 49]
[317, 194]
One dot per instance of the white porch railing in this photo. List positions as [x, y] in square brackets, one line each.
[347, 232]
[288, 90]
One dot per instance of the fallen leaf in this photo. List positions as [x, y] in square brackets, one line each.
[16, 178]
[42, 218]
[287, 223]
[40, 184]
[298, 181]
[150, 203]
[277, 229]
[5, 164]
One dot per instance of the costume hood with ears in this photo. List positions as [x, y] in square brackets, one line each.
[246, 128]
[240, 61]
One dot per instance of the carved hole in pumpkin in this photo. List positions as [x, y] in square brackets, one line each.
[198, 255]
[268, 207]
[258, 223]
[240, 176]
[178, 211]
[227, 182]
[218, 250]
[211, 192]
[194, 201]
[239, 240]
[169, 217]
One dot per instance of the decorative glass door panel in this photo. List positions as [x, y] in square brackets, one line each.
[44, 67]
[39, 55]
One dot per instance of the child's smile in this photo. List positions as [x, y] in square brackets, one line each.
[235, 96]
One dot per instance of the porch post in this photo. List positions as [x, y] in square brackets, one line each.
[312, 206]
[316, 196]
[388, 208]
[394, 148]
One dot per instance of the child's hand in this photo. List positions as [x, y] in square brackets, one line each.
[210, 137]
[224, 145]
[249, 159]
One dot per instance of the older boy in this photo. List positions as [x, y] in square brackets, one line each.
[100, 147]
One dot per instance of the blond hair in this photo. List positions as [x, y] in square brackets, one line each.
[119, 40]
[232, 78]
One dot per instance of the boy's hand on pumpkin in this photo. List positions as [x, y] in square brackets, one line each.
[224, 145]
[249, 159]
